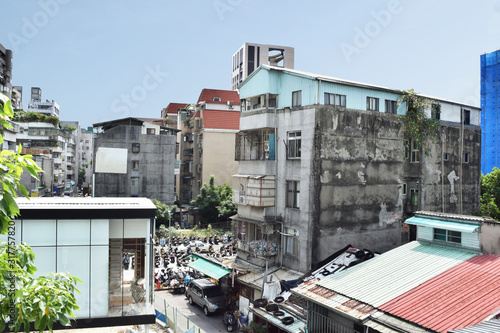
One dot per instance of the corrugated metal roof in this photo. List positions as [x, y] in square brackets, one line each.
[457, 216]
[442, 224]
[297, 326]
[318, 294]
[486, 327]
[384, 322]
[379, 280]
[462, 296]
[389, 275]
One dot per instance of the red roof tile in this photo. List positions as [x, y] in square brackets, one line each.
[173, 108]
[464, 295]
[207, 96]
[221, 119]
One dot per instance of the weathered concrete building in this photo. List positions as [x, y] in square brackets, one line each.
[323, 164]
[206, 141]
[134, 157]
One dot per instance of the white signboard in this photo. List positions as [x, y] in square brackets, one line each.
[111, 160]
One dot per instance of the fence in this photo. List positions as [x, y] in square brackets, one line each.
[175, 320]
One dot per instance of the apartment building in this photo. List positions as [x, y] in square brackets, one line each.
[323, 163]
[134, 157]
[250, 56]
[206, 141]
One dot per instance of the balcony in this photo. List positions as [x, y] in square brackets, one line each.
[255, 191]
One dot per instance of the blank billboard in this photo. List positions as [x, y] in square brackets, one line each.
[111, 160]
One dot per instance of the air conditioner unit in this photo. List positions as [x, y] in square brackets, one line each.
[198, 168]
[243, 200]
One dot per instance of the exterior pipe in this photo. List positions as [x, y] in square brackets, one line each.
[461, 157]
[443, 140]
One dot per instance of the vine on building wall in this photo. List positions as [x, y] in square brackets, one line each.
[418, 128]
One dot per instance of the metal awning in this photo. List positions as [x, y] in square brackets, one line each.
[443, 224]
[209, 268]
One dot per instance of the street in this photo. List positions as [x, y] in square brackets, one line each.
[212, 323]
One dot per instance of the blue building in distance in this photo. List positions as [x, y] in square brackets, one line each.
[490, 103]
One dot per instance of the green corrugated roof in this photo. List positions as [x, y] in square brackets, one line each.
[208, 268]
[443, 224]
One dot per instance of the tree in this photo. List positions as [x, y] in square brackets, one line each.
[24, 298]
[417, 127]
[214, 203]
[490, 194]
[81, 175]
[162, 209]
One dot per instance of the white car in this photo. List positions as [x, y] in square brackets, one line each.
[193, 245]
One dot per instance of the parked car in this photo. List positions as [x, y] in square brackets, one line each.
[206, 294]
[193, 245]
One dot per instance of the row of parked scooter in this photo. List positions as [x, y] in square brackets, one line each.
[212, 240]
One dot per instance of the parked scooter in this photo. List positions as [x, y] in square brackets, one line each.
[229, 321]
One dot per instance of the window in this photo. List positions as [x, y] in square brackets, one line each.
[294, 144]
[134, 181]
[391, 106]
[465, 158]
[465, 117]
[436, 111]
[135, 165]
[405, 189]
[334, 99]
[292, 194]
[297, 98]
[372, 104]
[415, 152]
[292, 246]
[151, 131]
[407, 149]
[136, 147]
[445, 156]
[448, 236]
[216, 99]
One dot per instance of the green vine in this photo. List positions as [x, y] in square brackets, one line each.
[417, 126]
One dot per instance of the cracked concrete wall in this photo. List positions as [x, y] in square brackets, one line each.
[358, 172]
[450, 185]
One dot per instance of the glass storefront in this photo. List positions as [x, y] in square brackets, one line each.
[111, 256]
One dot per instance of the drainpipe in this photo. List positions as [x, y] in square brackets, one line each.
[276, 179]
[319, 91]
[461, 156]
[443, 138]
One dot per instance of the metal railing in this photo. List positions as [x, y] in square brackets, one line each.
[320, 323]
[175, 320]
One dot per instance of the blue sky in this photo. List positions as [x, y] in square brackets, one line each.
[103, 60]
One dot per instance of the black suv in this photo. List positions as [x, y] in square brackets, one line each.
[206, 294]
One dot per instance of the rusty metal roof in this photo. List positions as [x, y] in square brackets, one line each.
[360, 289]
[462, 296]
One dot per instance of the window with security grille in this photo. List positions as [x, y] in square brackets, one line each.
[294, 144]
[293, 194]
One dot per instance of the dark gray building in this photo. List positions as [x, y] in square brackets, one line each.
[5, 71]
[134, 157]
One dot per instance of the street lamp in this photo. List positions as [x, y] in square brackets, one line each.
[169, 232]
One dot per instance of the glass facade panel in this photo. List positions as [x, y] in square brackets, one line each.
[76, 261]
[39, 232]
[73, 232]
